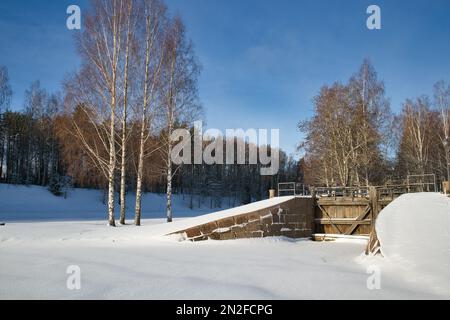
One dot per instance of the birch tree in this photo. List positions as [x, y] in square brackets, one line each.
[130, 26]
[349, 126]
[97, 84]
[5, 100]
[5, 89]
[152, 59]
[371, 114]
[417, 135]
[180, 105]
[442, 103]
[331, 135]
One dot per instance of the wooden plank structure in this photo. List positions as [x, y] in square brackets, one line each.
[353, 213]
[348, 215]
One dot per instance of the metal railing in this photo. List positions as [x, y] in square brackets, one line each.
[422, 182]
[413, 183]
[334, 192]
[293, 189]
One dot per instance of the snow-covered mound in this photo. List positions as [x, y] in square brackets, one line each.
[33, 203]
[414, 232]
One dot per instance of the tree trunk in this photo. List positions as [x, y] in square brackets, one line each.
[124, 124]
[447, 158]
[137, 211]
[2, 149]
[111, 218]
[169, 183]
[112, 133]
[112, 162]
[122, 174]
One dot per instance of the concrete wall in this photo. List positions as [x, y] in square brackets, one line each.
[293, 218]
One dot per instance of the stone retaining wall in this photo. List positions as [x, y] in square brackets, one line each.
[293, 219]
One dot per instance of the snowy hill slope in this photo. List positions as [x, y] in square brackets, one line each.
[34, 203]
[414, 232]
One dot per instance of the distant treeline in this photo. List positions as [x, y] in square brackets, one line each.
[37, 147]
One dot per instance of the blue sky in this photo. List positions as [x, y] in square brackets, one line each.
[263, 60]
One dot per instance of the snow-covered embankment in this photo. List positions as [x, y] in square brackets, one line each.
[414, 232]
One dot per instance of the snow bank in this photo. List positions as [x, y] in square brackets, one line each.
[414, 232]
[34, 203]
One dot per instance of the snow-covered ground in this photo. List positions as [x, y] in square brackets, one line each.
[130, 262]
[32, 203]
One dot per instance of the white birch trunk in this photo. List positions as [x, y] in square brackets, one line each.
[169, 181]
[112, 160]
[123, 176]
[112, 133]
[137, 210]
[124, 124]
[169, 170]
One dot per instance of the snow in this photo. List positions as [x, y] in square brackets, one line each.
[341, 236]
[414, 232]
[32, 203]
[131, 262]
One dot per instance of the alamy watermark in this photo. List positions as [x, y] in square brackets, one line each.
[73, 22]
[73, 281]
[260, 150]
[374, 20]
[373, 281]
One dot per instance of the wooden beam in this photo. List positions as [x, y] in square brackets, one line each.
[329, 217]
[360, 218]
[350, 221]
[332, 202]
[373, 246]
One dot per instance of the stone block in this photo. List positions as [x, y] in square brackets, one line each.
[253, 216]
[296, 233]
[257, 234]
[214, 236]
[253, 226]
[229, 235]
[275, 228]
[209, 227]
[226, 223]
[275, 218]
[241, 219]
[296, 225]
[267, 219]
[193, 232]
[242, 234]
[290, 218]
[200, 238]
[237, 229]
